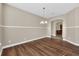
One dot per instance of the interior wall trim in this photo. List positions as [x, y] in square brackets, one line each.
[20, 27]
[72, 27]
[11, 45]
[71, 42]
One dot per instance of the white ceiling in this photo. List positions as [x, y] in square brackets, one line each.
[52, 9]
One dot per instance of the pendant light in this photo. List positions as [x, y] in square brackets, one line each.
[43, 21]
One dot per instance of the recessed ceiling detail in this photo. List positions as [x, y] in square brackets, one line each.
[52, 9]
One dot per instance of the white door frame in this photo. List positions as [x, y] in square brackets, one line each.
[63, 27]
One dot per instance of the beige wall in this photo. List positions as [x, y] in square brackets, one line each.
[0, 26]
[16, 17]
[21, 26]
[70, 24]
[77, 25]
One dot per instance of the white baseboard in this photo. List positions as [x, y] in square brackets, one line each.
[49, 36]
[33, 40]
[23, 42]
[71, 42]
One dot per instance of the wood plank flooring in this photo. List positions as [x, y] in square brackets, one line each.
[43, 47]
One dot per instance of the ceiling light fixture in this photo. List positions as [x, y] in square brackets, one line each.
[43, 21]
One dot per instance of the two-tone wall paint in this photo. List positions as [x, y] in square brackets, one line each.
[20, 26]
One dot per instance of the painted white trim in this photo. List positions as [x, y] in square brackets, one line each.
[72, 27]
[32, 27]
[49, 36]
[20, 27]
[71, 42]
[23, 42]
[53, 35]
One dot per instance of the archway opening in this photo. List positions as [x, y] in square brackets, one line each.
[57, 29]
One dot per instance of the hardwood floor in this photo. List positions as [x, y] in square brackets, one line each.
[43, 47]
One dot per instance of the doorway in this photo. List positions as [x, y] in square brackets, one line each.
[57, 29]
